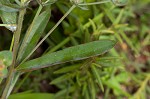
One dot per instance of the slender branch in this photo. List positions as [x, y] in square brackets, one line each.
[12, 43]
[11, 74]
[7, 24]
[94, 3]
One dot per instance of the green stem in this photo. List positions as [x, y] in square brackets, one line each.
[12, 43]
[57, 24]
[7, 24]
[11, 74]
[94, 3]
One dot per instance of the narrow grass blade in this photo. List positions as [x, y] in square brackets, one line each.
[92, 89]
[97, 76]
[68, 69]
[61, 78]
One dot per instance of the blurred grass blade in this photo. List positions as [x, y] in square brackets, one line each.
[129, 42]
[115, 85]
[92, 89]
[84, 89]
[97, 76]
[87, 94]
[61, 78]
[118, 19]
[63, 92]
[74, 53]
[34, 33]
[68, 69]
[31, 96]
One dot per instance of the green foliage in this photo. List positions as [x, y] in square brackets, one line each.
[75, 53]
[7, 6]
[33, 33]
[78, 39]
[5, 61]
[31, 96]
[6, 57]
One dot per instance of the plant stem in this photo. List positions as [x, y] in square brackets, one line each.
[7, 24]
[57, 24]
[94, 3]
[12, 42]
[11, 74]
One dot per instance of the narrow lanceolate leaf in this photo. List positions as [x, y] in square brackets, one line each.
[33, 34]
[74, 53]
[97, 76]
[68, 69]
[62, 78]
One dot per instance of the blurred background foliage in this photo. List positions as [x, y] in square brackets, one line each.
[123, 73]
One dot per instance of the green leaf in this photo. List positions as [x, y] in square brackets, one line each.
[74, 53]
[84, 89]
[9, 18]
[122, 77]
[5, 61]
[92, 89]
[31, 96]
[6, 57]
[68, 69]
[65, 91]
[33, 34]
[61, 78]
[3, 72]
[97, 76]
[115, 85]
[8, 7]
